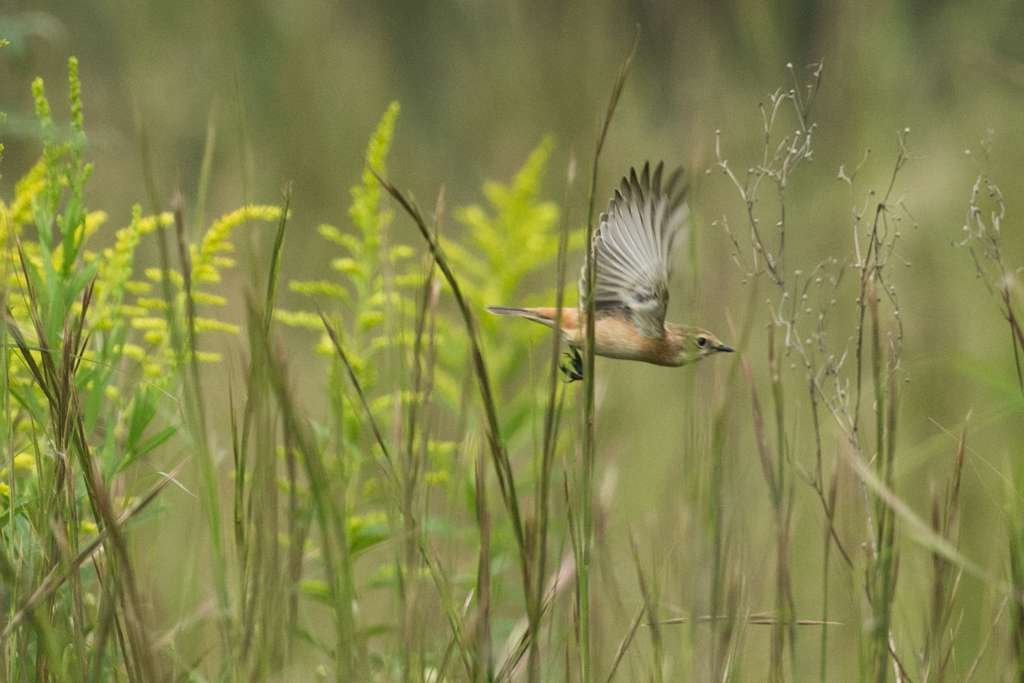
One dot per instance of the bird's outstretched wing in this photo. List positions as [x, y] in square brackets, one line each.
[633, 246]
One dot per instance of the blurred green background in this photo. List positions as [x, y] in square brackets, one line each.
[292, 90]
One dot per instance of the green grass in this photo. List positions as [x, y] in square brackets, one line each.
[442, 509]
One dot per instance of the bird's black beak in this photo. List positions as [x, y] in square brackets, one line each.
[727, 349]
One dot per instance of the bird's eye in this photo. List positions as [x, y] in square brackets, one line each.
[702, 342]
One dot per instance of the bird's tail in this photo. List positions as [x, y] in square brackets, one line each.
[544, 316]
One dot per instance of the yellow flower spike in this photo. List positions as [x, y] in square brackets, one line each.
[25, 461]
[25, 191]
[75, 93]
[209, 299]
[151, 302]
[211, 325]
[206, 273]
[133, 351]
[299, 319]
[215, 241]
[148, 224]
[149, 323]
[93, 221]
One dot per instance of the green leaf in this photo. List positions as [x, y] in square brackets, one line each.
[143, 410]
[316, 590]
[364, 533]
[148, 446]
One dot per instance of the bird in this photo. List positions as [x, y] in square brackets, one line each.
[633, 246]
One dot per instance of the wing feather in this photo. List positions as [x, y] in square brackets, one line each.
[633, 247]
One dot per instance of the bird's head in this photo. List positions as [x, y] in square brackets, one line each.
[696, 343]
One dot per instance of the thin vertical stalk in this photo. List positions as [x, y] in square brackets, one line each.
[534, 604]
[484, 661]
[587, 478]
[7, 257]
[651, 608]
[829, 532]
[412, 463]
[720, 430]
[782, 502]
[329, 514]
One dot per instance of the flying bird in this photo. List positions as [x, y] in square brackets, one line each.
[633, 246]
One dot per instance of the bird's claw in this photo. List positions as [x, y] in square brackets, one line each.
[573, 368]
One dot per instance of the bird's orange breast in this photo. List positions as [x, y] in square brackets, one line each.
[616, 337]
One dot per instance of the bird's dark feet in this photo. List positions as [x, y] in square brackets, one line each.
[573, 367]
